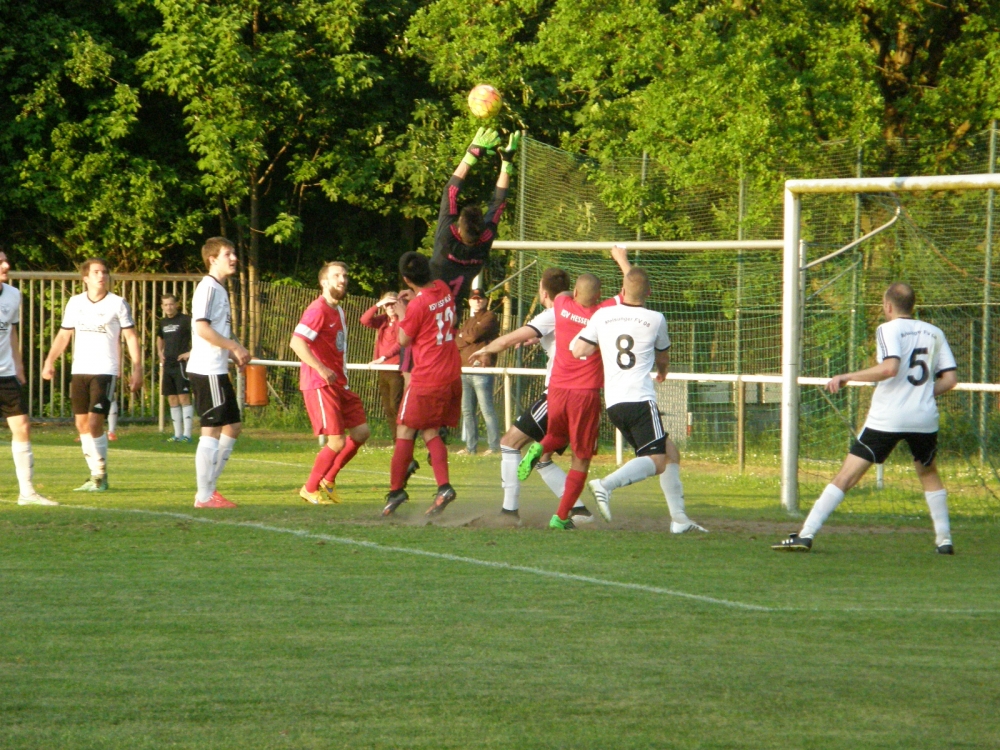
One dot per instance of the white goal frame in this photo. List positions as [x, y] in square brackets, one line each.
[791, 319]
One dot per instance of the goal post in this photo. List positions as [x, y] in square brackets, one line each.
[792, 290]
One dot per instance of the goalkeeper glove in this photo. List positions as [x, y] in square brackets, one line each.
[507, 154]
[485, 142]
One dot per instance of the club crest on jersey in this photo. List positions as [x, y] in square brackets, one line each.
[341, 340]
[4, 309]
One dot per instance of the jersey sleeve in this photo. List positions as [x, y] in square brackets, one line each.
[410, 323]
[69, 315]
[591, 331]
[544, 323]
[201, 303]
[945, 359]
[888, 341]
[309, 325]
[125, 316]
[495, 210]
[662, 342]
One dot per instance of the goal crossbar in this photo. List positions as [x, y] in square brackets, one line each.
[792, 268]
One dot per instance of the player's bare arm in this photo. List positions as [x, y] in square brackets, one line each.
[945, 382]
[888, 368]
[15, 352]
[662, 364]
[135, 352]
[239, 354]
[301, 348]
[59, 344]
[159, 349]
[522, 335]
[619, 254]
[581, 348]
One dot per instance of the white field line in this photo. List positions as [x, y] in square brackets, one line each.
[302, 534]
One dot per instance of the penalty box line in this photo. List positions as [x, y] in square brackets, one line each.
[302, 534]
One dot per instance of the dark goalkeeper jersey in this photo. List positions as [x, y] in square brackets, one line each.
[176, 335]
[453, 262]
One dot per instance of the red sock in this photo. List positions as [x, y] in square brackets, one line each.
[346, 453]
[324, 460]
[401, 457]
[574, 486]
[551, 445]
[439, 460]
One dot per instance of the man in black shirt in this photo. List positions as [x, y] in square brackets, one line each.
[173, 342]
[463, 238]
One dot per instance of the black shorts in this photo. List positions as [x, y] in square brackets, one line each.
[875, 445]
[215, 400]
[12, 399]
[92, 394]
[639, 422]
[175, 379]
[535, 419]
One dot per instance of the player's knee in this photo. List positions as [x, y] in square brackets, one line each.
[335, 443]
[513, 438]
[233, 430]
[361, 433]
[173, 401]
[660, 462]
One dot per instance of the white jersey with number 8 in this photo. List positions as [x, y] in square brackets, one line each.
[905, 403]
[629, 337]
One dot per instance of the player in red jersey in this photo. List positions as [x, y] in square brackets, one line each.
[574, 396]
[320, 341]
[433, 398]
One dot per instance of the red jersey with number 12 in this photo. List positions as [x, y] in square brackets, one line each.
[568, 372]
[430, 322]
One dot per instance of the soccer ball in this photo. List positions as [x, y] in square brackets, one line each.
[484, 101]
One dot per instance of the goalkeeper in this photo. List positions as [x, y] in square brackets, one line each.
[463, 238]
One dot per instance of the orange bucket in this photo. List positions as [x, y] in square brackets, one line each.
[256, 379]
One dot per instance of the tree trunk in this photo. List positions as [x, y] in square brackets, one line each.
[253, 263]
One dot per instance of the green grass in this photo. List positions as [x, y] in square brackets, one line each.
[147, 630]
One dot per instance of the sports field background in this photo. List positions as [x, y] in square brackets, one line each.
[130, 620]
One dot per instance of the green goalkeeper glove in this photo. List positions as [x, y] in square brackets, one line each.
[485, 142]
[507, 154]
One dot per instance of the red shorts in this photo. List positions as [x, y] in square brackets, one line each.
[432, 410]
[333, 410]
[574, 419]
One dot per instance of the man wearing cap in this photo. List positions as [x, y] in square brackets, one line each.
[382, 317]
[479, 329]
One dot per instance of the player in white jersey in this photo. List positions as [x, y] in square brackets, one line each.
[532, 423]
[915, 365]
[94, 321]
[633, 341]
[212, 346]
[13, 406]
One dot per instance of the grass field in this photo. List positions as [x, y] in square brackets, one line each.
[130, 620]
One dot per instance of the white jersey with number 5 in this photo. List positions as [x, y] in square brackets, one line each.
[629, 336]
[905, 403]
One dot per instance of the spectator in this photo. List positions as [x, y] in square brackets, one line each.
[382, 317]
[480, 329]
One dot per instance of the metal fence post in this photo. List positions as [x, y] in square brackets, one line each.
[987, 278]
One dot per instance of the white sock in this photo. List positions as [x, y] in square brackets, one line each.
[113, 417]
[188, 411]
[177, 417]
[24, 465]
[553, 476]
[204, 466]
[226, 444]
[101, 444]
[91, 455]
[634, 471]
[509, 459]
[673, 491]
[827, 502]
[937, 502]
